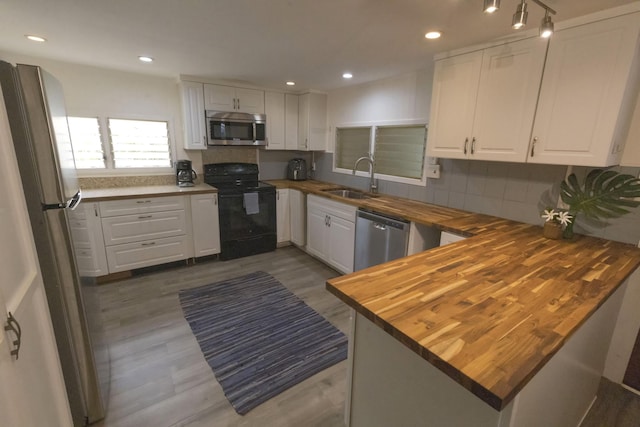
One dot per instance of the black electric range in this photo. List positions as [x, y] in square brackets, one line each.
[246, 208]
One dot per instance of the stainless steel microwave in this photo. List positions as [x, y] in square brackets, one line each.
[230, 128]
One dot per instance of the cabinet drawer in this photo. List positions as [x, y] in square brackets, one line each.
[135, 228]
[90, 264]
[333, 208]
[143, 254]
[141, 205]
[80, 234]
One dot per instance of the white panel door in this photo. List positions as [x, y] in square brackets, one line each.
[317, 231]
[290, 121]
[507, 95]
[195, 131]
[32, 391]
[340, 250]
[274, 107]
[219, 98]
[250, 101]
[585, 80]
[455, 88]
[283, 215]
[297, 209]
[206, 225]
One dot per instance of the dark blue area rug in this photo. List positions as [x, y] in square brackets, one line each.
[258, 337]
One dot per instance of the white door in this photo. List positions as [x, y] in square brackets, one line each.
[250, 101]
[297, 211]
[342, 236]
[283, 216]
[219, 98]
[317, 229]
[32, 391]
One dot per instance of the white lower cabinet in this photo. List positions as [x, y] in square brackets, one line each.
[283, 215]
[145, 231]
[298, 217]
[205, 224]
[88, 241]
[331, 232]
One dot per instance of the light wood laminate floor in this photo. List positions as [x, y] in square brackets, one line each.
[159, 377]
[158, 374]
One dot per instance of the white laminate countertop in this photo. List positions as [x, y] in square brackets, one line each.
[116, 193]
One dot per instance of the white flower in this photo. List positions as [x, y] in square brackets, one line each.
[565, 218]
[549, 215]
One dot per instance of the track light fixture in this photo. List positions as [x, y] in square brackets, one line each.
[491, 6]
[520, 17]
[546, 27]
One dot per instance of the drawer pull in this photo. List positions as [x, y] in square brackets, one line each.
[145, 216]
[149, 244]
[143, 201]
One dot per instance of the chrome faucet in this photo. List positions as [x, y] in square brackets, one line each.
[373, 187]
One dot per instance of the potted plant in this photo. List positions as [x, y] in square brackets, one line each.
[555, 222]
[603, 194]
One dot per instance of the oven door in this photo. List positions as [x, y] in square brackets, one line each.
[236, 224]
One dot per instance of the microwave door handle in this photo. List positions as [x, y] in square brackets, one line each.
[255, 135]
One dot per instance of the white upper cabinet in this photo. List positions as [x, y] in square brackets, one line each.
[312, 122]
[631, 156]
[274, 105]
[483, 102]
[291, 103]
[195, 132]
[587, 95]
[229, 98]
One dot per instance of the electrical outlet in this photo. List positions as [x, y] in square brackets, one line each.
[433, 171]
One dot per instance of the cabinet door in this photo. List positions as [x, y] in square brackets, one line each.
[317, 232]
[317, 122]
[205, 223]
[587, 72]
[274, 105]
[631, 156]
[219, 98]
[195, 131]
[303, 122]
[136, 228]
[283, 215]
[143, 254]
[507, 94]
[88, 241]
[340, 248]
[290, 121]
[250, 101]
[297, 209]
[453, 100]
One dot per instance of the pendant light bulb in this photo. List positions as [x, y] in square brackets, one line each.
[546, 27]
[491, 6]
[520, 17]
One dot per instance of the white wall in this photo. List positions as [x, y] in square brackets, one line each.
[92, 91]
[404, 97]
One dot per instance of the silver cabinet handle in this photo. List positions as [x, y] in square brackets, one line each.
[149, 244]
[466, 142]
[329, 221]
[145, 216]
[143, 201]
[238, 103]
[13, 326]
[215, 199]
[473, 145]
[533, 145]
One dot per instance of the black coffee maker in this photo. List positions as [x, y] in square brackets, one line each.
[184, 174]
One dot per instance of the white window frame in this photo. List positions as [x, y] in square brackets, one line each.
[109, 170]
[374, 125]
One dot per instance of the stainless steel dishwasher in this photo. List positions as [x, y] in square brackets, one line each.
[379, 238]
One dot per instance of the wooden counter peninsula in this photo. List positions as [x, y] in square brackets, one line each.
[506, 328]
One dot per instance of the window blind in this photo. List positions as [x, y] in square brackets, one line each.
[352, 143]
[399, 150]
[139, 143]
[86, 141]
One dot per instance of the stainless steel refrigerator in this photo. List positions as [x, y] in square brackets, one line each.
[38, 122]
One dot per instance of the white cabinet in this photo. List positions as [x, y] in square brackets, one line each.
[483, 102]
[229, 98]
[145, 231]
[205, 224]
[291, 105]
[298, 217]
[283, 215]
[312, 122]
[447, 237]
[195, 132]
[88, 242]
[274, 107]
[631, 156]
[331, 232]
[586, 98]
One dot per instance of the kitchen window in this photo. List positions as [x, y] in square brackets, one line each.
[398, 151]
[127, 146]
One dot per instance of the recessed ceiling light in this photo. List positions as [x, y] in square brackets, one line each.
[433, 35]
[291, 83]
[35, 38]
[145, 58]
[347, 75]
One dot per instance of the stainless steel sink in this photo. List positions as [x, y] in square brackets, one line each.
[350, 194]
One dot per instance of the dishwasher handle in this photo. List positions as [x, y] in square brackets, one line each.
[382, 222]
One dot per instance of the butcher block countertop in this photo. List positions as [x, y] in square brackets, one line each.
[119, 193]
[488, 311]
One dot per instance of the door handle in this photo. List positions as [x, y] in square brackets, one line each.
[13, 326]
[466, 142]
[533, 145]
[473, 145]
[379, 226]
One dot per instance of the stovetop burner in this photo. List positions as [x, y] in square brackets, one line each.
[235, 177]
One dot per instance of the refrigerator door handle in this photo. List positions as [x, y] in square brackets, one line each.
[75, 200]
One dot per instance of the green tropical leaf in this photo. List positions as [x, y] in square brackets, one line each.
[604, 194]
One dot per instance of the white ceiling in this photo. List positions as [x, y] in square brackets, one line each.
[262, 42]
